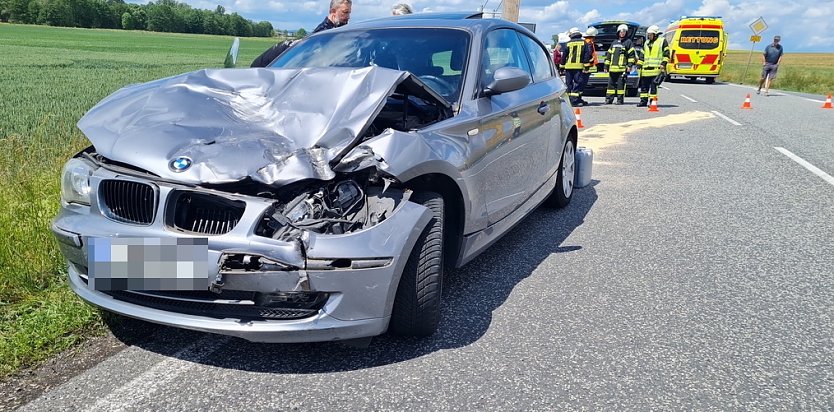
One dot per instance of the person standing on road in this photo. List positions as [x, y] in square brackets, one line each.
[653, 65]
[617, 61]
[589, 66]
[573, 63]
[771, 58]
[557, 54]
[338, 16]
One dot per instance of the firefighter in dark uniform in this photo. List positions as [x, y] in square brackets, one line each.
[617, 62]
[575, 60]
[653, 65]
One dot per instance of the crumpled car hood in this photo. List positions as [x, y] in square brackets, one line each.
[275, 126]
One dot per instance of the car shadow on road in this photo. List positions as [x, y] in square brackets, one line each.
[471, 294]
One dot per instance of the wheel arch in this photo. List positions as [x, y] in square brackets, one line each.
[454, 210]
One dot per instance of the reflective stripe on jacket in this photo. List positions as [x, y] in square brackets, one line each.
[656, 53]
[572, 60]
[591, 63]
[618, 57]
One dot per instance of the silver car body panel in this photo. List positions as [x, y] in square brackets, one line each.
[265, 124]
[279, 126]
[361, 297]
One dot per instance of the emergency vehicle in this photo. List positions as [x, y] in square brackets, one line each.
[697, 47]
[606, 34]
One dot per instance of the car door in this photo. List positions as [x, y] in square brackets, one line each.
[515, 129]
[547, 85]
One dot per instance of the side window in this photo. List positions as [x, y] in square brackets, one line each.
[501, 49]
[538, 59]
[669, 36]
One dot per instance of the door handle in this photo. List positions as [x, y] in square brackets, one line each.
[544, 108]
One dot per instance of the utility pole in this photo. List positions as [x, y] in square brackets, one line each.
[511, 10]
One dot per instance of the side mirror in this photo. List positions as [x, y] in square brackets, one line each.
[507, 79]
[231, 56]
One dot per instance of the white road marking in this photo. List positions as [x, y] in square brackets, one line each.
[665, 88]
[805, 164]
[689, 98]
[158, 377]
[726, 118]
[814, 100]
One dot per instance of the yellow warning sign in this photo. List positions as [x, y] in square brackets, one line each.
[758, 26]
[755, 39]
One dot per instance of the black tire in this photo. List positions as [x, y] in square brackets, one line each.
[565, 178]
[416, 309]
[710, 80]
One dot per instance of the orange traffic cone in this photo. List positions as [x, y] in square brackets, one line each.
[578, 118]
[827, 104]
[653, 106]
[746, 104]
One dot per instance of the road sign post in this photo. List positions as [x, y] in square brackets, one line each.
[758, 26]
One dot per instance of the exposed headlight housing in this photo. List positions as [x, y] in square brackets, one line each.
[75, 181]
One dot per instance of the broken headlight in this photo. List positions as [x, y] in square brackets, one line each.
[75, 181]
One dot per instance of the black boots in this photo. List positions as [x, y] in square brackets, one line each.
[643, 103]
[609, 99]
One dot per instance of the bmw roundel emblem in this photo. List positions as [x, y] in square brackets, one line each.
[180, 164]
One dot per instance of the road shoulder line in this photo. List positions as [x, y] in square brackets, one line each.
[825, 176]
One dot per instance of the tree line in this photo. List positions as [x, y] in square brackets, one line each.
[162, 15]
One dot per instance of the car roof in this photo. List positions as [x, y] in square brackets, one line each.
[471, 21]
[599, 23]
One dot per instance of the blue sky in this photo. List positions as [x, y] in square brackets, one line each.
[805, 25]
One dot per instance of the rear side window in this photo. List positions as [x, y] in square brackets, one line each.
[538, 59]
[699, 39]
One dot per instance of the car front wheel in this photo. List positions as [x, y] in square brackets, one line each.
[565, 177]
[416, 309]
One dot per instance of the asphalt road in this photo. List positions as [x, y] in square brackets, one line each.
[694, 273]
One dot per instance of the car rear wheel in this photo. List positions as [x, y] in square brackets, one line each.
[710, 80]
[416, 309]
[565, 177]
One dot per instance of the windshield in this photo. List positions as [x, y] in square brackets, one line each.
[609, 31]
[436, 56]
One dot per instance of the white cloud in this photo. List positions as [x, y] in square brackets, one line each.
[789, 19]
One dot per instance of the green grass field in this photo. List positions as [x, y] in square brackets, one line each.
[50, 77]
[801, 72]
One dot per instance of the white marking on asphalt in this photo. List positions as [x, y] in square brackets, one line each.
[665, 88]
[689, 98]
[158, 377]
[814, 100]
[805, 164]
[726, 118]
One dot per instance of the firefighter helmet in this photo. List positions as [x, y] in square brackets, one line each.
[591, 32]
[573, 30]
[622, 27]
[653, 29]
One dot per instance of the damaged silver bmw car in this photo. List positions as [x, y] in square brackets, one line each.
[320, 198]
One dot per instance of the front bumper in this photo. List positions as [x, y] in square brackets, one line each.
[360, 288]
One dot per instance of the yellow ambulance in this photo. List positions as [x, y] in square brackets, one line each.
[697, 47]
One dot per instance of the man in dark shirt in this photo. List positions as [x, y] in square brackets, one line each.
[771, 58]
[338, 16]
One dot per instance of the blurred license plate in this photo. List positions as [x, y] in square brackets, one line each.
[684, 65]
[147, 263]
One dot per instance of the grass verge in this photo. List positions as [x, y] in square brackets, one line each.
[51, 76]
[799, 72]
